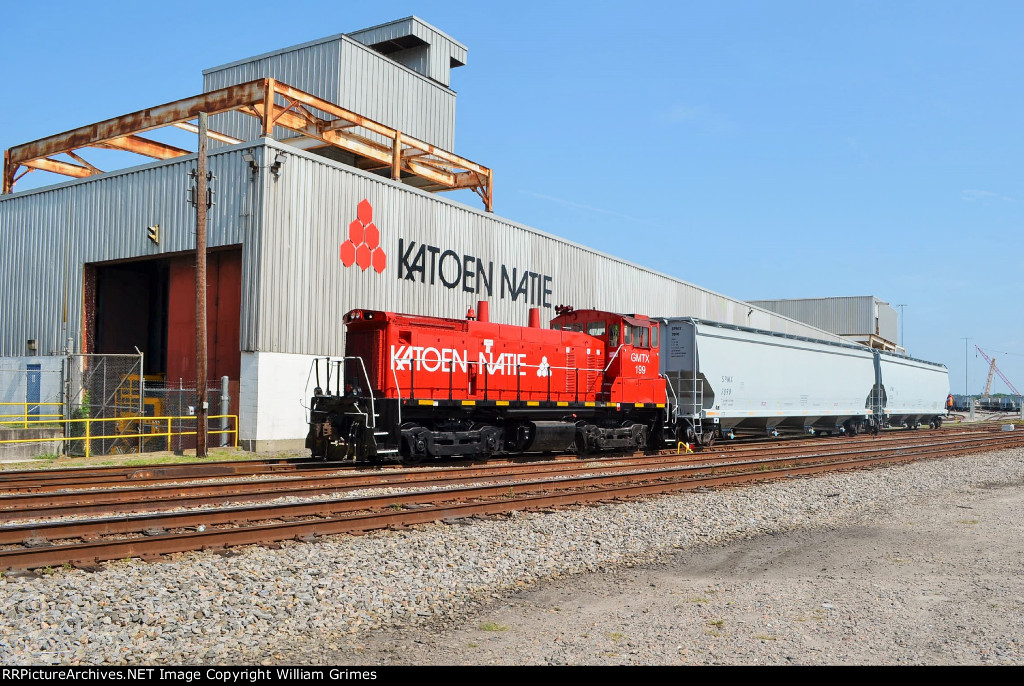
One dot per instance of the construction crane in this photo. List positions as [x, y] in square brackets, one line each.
[993, 369]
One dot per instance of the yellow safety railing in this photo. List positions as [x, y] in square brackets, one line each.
[25, 417]
[136, 433]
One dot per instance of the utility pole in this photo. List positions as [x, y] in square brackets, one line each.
[201, 201]
[965, 365]
[902, 325]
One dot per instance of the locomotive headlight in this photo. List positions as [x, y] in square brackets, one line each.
[369, 315]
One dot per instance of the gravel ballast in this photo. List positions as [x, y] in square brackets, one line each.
[462, 592]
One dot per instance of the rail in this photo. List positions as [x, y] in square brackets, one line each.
[26, 416]
[131, 435]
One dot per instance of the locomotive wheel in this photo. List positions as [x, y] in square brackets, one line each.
[412, 448]
[639, 436]
[410, 457]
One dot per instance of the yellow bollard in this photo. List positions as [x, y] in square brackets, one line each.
[87, 441]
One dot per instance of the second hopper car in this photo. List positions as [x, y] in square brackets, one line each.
[731, 380]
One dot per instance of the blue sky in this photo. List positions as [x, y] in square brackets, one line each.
[761, 149]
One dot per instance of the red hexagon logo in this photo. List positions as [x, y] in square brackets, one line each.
[371, 236]
[380, 260]
[348, 253]
[356, 232]
[363, 257]
[364, 211]
[363, 244]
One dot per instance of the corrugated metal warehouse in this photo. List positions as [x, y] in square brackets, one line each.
[864, 319]
[298, 236]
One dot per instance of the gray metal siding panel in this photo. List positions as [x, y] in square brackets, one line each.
[843, 315]
[314, 69]
[377, 34]
[353, 76]
[374, 88]
[48, 234]
[304, 288]
[434, 62]
[417, 59]
[888, 322]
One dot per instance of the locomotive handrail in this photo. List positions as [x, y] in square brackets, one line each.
[398, 390]
[675, 398]
[612, 358]
[518, 364]
[484, 367]
[369, 391]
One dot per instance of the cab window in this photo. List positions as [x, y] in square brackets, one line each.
[573, 327]
[613, 335]
[640, 336]
[627, 334]
[654, 336]
[595, 328]
[556, 327]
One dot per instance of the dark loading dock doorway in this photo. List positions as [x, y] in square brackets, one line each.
[149, 304]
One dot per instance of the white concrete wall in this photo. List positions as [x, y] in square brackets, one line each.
[274, 392]
[14, 382]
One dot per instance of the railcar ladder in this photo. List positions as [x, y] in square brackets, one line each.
[697, 406]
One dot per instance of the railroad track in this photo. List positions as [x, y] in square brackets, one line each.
[20, 501]
[426, 496]
[40, 480]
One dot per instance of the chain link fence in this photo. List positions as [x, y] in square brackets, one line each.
[102, 405]
[180, 401]
[107, 387]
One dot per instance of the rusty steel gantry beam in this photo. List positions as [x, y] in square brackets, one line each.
[275, 104]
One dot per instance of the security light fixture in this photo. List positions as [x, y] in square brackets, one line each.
[250, 159]
[275, 168]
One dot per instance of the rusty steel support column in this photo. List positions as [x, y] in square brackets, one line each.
[396, 157]
[201, 193]
[268, 108]
[8, 172]
[489, 200]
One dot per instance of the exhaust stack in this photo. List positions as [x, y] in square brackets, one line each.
[483, 311]
[534, 318]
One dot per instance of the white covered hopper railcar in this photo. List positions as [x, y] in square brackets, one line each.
[730, 380]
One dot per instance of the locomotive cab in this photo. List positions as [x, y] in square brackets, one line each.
[631, 359]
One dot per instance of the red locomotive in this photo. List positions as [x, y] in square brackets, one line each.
[415, 388]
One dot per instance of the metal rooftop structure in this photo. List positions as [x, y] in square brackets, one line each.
[376, 147]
